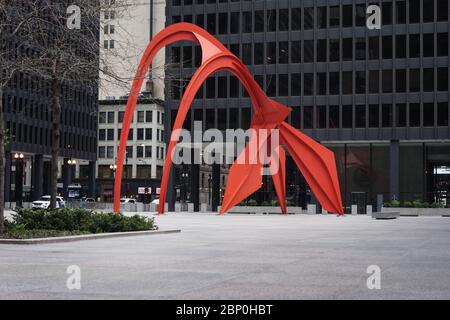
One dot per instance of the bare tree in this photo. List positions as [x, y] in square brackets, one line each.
[58, 44]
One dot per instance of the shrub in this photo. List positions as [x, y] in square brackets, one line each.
[252, 203]
[265, 204]
[78, 221]
[409, 204]
[395, 203]
[275, 203]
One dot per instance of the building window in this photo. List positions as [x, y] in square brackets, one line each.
[442, 10]
[259, 21]
[387, 115]
[296, 51]
[144, 171]
[102, 117]
[414, 115]
[414, 80]
[360, 116]
[374, 48]
[271, 19]
[309, 18]
[428, 80]
[140, 152]
[140, 116]
[347, 116]
[110, 134]
[400, 116]
[111, 117]
[414, 11]
[347, 16]
[140, 134]
[428, 114]
[101, 152]
[308, 84]
[442, 116]
[335, 15]
[334, 117]
[347, 82]
[428, 45]
[322, 50]
[309, 51]
[308, 117]
[334, 82]
[296, 19]
[374, 116]
[360, 82]
[148, 116]
[321, 117]
[414, 46]
[121, 114]
[322, 17]
[283, 24]
[102, 134]
[442, 78]
[335, 50]
[110, 152]
[428, 11]
[148, 151]
[387, 13]
[374, 81]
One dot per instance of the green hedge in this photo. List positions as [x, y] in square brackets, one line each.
[73, 221]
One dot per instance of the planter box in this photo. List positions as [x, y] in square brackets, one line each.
[422, 212]
[264, 210]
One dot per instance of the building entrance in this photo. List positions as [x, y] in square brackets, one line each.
[439, 183]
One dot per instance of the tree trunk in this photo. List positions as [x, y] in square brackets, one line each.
[56, 111]
[2, 166]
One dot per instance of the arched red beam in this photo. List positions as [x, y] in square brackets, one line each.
[268, 115]
[174, 33]
[225, 61]
[317, 164]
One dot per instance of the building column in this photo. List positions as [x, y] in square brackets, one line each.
[47, 177]
[38, 176]
[7, 176]
[91, 180]
[195, 179]
[65, 178]
[195, 186]
[19, 182]
[170, 199]
[394, 175]
[215, 186]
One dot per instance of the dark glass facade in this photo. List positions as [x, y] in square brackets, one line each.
[378, 98]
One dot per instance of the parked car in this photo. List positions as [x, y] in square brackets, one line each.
[44, 203]
[156, 201]
[127, 200]
[90, 200]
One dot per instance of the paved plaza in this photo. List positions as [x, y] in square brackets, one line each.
[242, 257]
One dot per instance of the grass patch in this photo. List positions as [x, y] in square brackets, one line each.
[40, 223]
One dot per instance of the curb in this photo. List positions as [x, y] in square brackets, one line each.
[86, 237]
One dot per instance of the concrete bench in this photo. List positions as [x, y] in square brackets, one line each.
[385, 215]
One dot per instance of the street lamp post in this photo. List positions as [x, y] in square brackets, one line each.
[209, 189]
[113, 168]
[19, 178]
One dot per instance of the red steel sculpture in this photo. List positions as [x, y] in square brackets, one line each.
[316, 162]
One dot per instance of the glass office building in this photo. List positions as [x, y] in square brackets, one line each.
[378, 98]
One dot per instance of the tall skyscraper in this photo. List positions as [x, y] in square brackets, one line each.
[377, 98]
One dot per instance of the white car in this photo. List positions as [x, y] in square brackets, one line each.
[156, 201]
[127, 200]
[44, 203]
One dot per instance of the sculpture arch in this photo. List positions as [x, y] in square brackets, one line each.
[244, 179]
